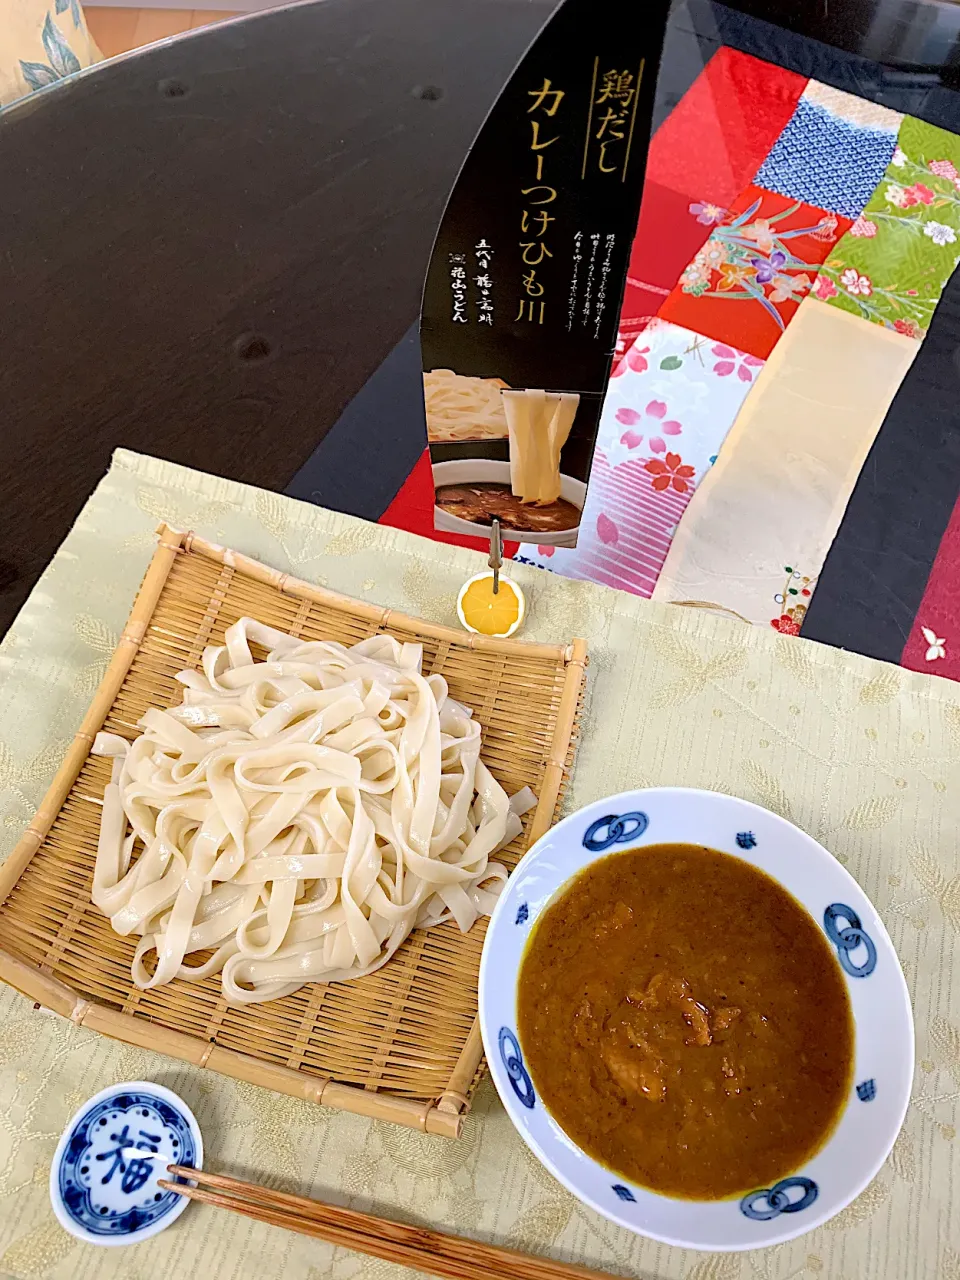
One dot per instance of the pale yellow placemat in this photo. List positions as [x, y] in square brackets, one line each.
[864, 756]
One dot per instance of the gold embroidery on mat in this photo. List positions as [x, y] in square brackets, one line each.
[40, 1249]
[766, 789]
[96, 635]
[540, 1226]
[881, 689]
[872, 813]
[419, 585]
[351, 541]
[22, 782]
[422, 1155]
[864, 1207]
[903, 1161]
[694, 671]
[723, 1266]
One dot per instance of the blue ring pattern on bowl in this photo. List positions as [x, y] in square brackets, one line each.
[74, 1173]
[746, 840]
[513, 1061]
[623, 1193]
[867, 1090]
[849, 938]
[617, 829]
[523, 913]
[777, 1200]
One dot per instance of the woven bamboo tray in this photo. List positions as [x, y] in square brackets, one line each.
[402, 1044]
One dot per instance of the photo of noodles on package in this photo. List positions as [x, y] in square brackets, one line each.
[522, 297]
[526, 490]
[460, 408]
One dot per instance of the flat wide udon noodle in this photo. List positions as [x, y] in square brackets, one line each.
[298, 816]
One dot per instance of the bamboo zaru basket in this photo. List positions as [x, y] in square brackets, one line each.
[402, 1044]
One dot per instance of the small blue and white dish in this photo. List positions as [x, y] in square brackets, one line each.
[101, 1191]
[870, 1119]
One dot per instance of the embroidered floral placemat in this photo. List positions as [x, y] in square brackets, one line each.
[862, 755]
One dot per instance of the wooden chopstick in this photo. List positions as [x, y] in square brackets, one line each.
[431, 1251]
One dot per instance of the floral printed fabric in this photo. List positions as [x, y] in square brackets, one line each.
[893, 263]
[672, 228]
[763, 256]
[826, 160]
[668, 408]
[676, 392]
[705, 151]
[41, 41]
[627, 524]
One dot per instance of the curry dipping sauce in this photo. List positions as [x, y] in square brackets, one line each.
[685, 1021]
[480, 502]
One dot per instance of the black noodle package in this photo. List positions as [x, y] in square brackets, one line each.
[522, 296]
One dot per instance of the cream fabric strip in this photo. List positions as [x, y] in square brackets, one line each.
[869, 115]
[772, 504]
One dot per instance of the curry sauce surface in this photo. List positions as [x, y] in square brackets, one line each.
[685, 1021]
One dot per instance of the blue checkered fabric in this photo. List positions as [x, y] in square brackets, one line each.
[826, 161]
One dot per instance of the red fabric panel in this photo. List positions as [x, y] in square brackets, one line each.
[718, 135]
[412, 509]
[939, 612]
[668, 236]
[760, 257]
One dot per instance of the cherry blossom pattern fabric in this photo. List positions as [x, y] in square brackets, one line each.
[892, 265]
[626, 528]
[825, 157]
[761, 260]
[753, 540]
[666, 413]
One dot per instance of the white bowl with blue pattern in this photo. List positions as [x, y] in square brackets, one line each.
[102, 1191]
[883, 1045]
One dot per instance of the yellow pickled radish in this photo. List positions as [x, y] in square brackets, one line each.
[487, 614]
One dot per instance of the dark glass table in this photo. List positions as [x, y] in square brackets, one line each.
[209, 246]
